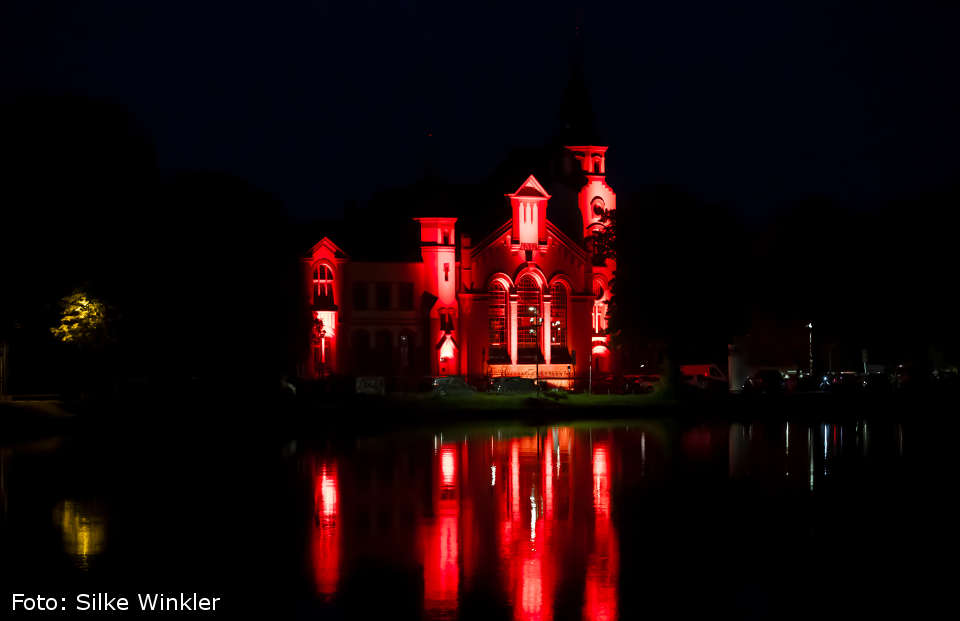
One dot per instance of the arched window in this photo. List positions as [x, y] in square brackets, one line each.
[599, 314]
[597, 206]
[497, 322]
[322, 285]
[558, 319]
[598, 289]
[529, 319]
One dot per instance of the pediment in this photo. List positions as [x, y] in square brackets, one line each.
[530, 188]
[326, 244]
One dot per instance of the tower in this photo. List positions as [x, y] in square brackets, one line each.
[438, 249]
[596, 199]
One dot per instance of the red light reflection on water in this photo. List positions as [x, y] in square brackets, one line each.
[325, 536]
[521, 515]
[440, 539]
[527, 545]
[600, 591]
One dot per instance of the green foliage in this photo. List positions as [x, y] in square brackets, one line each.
[604, 240]
[83, 321]
[604, 246]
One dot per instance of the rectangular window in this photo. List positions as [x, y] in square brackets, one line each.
[361, 298]
[405, 296]
[383, 295]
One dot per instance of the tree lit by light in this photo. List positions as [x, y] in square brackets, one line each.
[82, 321]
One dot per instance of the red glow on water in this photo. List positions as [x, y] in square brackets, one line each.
[448, 464]
[440, 538]
[531, 596]
[325, 546]
[530, 516]
[548, 478]
[528, 545]
[601, 479]
[603, 568]
[515, 479]
[697, 443]
[441, 570]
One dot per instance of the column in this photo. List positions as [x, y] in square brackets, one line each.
[512, 328]
[547, 299]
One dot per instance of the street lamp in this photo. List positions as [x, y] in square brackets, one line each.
[810, 328]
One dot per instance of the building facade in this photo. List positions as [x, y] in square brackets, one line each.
[526, 300]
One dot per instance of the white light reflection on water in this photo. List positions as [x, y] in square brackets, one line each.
[786, 450]
[643, 454]
[533, 515]
[826, 437]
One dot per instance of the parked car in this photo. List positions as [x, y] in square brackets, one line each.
[765, 382]
[607, 384]
[842, 382]
[641, 383]
[451, 385]
[707, 377]
[512, 385]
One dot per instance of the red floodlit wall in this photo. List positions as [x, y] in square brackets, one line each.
[438, 249]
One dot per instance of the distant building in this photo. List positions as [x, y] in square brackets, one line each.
[525, 299]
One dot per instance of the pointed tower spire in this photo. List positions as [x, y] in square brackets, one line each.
[577, 120]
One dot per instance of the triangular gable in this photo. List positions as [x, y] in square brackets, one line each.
[530, 187]
[327, 244]
[504, 229]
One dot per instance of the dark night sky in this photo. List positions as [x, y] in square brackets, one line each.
[754, 103]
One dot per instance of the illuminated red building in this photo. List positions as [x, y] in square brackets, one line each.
[526, 299]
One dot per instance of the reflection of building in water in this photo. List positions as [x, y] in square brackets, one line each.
[326, 533]
[439, 537]
[739, 450]
[600, 589]
[523, 515]
[527, 547]
[83, 527]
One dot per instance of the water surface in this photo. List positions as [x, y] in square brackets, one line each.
[765, 518]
